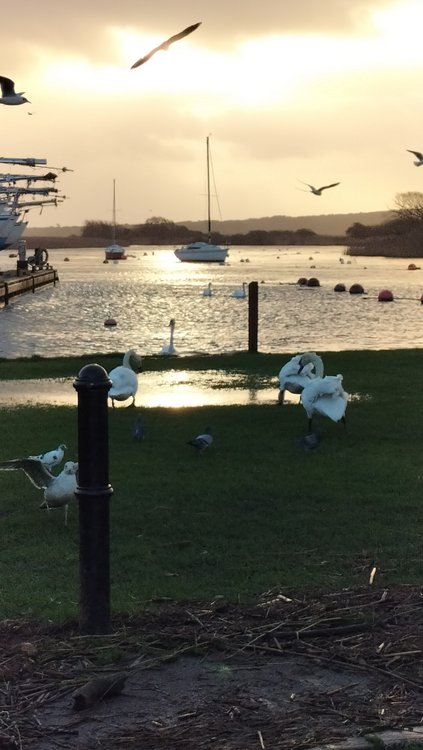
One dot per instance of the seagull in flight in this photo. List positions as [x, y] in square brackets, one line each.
[318, 191]
[8, 93]
[58, 490]
[419, 157]
[165, 45]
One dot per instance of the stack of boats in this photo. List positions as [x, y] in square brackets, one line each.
[21, 192]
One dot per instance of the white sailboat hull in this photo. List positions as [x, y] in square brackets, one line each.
[202, 252]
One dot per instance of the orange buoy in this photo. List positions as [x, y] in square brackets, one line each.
[385, 296]
[412, 267]
[356, 289]
[302, 281]
[313, 281]
[339, 288]
[110, 322]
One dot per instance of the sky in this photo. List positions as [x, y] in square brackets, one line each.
[311, 91]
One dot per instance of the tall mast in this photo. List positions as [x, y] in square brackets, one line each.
[114, 212]
[208, 191]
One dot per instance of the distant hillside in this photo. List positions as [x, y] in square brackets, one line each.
[326, 224]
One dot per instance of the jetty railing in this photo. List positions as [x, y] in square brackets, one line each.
[12, 286]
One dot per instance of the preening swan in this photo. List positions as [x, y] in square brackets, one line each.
[124, 378]
[208, 291]
[325, 396]
[299, 371]
[240, 293]
[169, 349]
[58, 491]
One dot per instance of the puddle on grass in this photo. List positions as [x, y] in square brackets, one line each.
[172, 388]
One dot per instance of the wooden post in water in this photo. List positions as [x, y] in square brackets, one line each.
[93, 492]
[252, 316]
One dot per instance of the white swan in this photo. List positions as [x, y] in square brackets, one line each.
[58, 491]
[169, 350]
[124, 378]
[325, 396]
[240, 293]
[298, 372]
[208, 291]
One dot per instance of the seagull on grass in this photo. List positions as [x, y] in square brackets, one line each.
[202, 441]
[165, 45]
[8, 93]
[58, 490]
[419, 157]
[318, 191]
[52, 458]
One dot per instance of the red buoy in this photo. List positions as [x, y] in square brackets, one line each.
[302, 281]
[356, 289]
[339, 288]
[110, 322]
[385, 296]
[313, 282]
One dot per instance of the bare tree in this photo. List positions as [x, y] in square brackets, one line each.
[409, 206]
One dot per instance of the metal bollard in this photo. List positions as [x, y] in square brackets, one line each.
[252, 316]
[93, 492]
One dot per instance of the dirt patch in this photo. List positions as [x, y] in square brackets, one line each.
[292, 671]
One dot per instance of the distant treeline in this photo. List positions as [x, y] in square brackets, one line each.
[164, 232]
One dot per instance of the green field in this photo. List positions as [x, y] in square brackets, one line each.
[253, 512]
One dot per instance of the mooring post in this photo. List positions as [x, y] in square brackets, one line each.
[93, 492]
[252, 316]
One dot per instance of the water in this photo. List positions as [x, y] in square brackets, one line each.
[145, 291]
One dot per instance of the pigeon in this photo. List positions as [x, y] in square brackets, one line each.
[165, 45]
[138, 430]
[8, 93]
[58, 490]
[419, 157]
[318, 191]
[201, 442]
[52, 458]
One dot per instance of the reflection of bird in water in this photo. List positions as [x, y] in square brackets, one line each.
[58, 490]
[165, 45]
[169, 349]
[318, 191]
[202, 441]
[325, 396]
[124, 378]
[296, 373]
[51, 458]
[240, 293]
[419, 157]
[208, 291]
[8, 93]
[138, 429]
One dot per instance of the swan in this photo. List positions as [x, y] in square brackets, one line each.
[298, 372]
[208, 291]
[325, 396]
[240, 293]
[169, 349]
[124, 378]
[58, 490]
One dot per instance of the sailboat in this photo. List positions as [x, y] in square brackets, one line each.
[114, 251]
[203, 252]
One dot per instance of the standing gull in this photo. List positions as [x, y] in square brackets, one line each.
[8, 93]
[58, 490]
[419, 157]
[318, 191]
[165, 45]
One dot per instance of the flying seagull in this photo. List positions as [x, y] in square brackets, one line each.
[58, 490]
[165, 45]
[318, 191]
[201, 442]
[8, 93]
[52, 458]
[419, 157]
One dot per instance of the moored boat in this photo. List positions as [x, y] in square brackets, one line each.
[114, 251]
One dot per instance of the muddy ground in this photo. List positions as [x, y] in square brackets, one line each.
[293, 670]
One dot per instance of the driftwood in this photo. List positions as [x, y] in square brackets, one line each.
[97, 689]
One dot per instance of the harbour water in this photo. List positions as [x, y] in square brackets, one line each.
[143, 292]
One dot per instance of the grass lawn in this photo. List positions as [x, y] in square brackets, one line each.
[256, 511]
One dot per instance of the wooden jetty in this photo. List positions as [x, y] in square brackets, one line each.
[12, 284]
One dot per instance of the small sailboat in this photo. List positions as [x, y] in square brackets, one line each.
[203, 252]
[114, 251]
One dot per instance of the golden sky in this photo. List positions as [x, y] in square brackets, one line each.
[318, 91]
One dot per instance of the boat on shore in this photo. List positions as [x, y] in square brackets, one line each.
[114, 251]
[200, 251]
